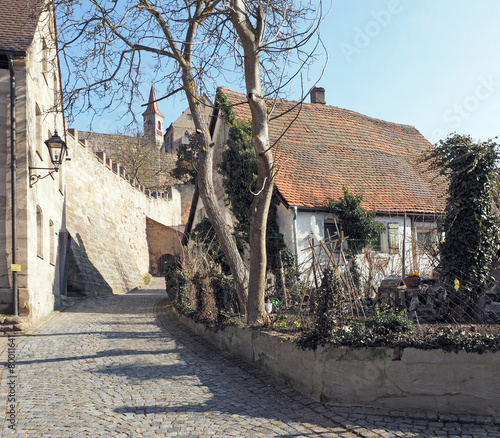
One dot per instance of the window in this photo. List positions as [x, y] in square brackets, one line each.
[426, 239]
[56, 89]
[4, 62]
[376, 244]
[39, 232]
[331, 235]
[330, 231]
[45, 57]
[38, 133]
[159, 126]
[185, 138]
[189, 117]
[393, 229]
[52, 237]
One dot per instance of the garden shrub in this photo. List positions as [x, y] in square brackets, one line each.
[223, 289]
[388, 320]
[172, 268]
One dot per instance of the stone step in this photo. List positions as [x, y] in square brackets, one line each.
[11, 324]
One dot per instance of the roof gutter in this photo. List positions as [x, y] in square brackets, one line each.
[310, 209]
[13, 53]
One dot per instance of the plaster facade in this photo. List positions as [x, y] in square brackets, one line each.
[302, 229]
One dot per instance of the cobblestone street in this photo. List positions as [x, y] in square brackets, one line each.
[122, 366]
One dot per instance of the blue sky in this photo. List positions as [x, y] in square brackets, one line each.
[431, 64]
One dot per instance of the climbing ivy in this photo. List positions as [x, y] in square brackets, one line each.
[239, 171]
[471, 227]
[328, 312]
[357, 223]
[199, 282]
[224, 293]
[172, 268]
[182, 302]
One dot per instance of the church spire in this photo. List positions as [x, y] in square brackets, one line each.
[153, 119]
[152, 104]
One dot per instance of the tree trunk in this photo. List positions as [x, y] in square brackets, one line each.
[250, 39]
[208, 196]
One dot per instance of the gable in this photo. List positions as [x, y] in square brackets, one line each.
[325, 147]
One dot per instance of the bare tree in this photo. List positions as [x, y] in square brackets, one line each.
[143, 161]
[188, 46]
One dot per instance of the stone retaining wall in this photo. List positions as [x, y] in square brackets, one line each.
[431, 380]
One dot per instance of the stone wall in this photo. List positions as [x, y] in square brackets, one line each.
[163, 242]
[409, 379]
[107, 221]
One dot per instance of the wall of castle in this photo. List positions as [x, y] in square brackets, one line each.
[186, 191]
[106, 218]
[80, 229]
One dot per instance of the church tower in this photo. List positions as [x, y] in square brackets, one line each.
[153, 119]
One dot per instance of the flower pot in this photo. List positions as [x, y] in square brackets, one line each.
[412, 282]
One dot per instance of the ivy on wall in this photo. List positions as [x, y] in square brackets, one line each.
[357, 223]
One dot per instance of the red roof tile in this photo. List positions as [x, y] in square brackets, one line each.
[18, 21]
[327, 147]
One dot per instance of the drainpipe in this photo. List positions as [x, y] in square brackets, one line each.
[13, 168]
[294, 224]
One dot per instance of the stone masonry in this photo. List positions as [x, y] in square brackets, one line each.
[107, 222]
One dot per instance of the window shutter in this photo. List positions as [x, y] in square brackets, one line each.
[393, 238]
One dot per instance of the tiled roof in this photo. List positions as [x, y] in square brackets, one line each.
[152, 107]
[18, 21]
[327, 147]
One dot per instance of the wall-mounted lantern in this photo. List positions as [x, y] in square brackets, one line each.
[57, 151]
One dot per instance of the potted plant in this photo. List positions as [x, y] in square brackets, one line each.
[412, 280]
